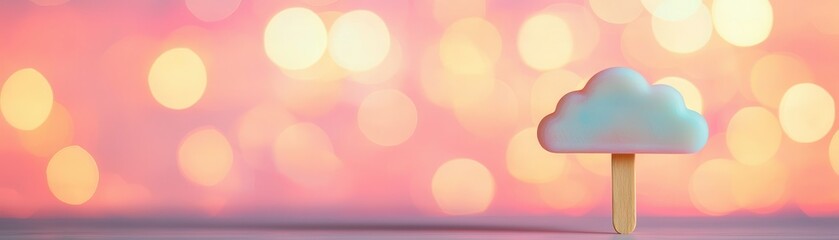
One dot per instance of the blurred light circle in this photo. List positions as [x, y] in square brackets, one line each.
[447, 89]
[760, 188]
[55, 133]
[753, 135]
[431, 76]
[295, 38]
[806, 112]
[548, 89]
[640, 47]
[385, 72]
[314, 90]
[833, 151]
[462, 186]
[325, 69]
[72, 175]
[582, 23]
[359, 40]
[205, 156]
[178, 78]
[684, 36]
[211, 11]
[691, 95]
[26, 99]
[545, 42]
[672, 10]
[742, 23]
[528, 162]
[387, 117]
[773, 74]
[448, 11]
[470, 46]
[304, 153]
[617, 11]
[711, 187]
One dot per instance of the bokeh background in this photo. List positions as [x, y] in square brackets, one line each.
[407, 108]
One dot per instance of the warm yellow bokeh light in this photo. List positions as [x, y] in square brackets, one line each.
[205, 156]
[387, 117]
[211, 11]
[447, 89]
[760, 188]
[325, 69]
[26, 99]
[774, 73]
[639, 46]
[548, 89]
[359, 40]
[72, 175]
[178, 78]
[463, 186]
[684, 36]
[711, 187]
[448, 11]
[617, 11]
[753, 135]
[545, 42]
[54, 134]
[528, 162]
[806, 112]
[385, 72]
[672, 10]
[295, 38]
[583, 25]
[304, 153]
[691, 95]
[742, 23]
[833, 152]
[470, 46]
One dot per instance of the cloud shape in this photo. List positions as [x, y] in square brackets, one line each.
[619, 112]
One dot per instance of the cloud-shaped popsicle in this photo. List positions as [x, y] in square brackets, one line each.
[619, 112]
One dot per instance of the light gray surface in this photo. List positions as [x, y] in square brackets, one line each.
[519, 228]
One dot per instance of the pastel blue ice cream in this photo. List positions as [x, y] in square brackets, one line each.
[619, 112]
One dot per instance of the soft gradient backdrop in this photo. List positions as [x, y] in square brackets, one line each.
[405, 108]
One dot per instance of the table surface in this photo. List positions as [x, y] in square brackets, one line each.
[498, 227]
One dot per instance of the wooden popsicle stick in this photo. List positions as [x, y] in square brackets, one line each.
[623, 193]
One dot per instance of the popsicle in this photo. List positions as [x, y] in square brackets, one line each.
[620, 113]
